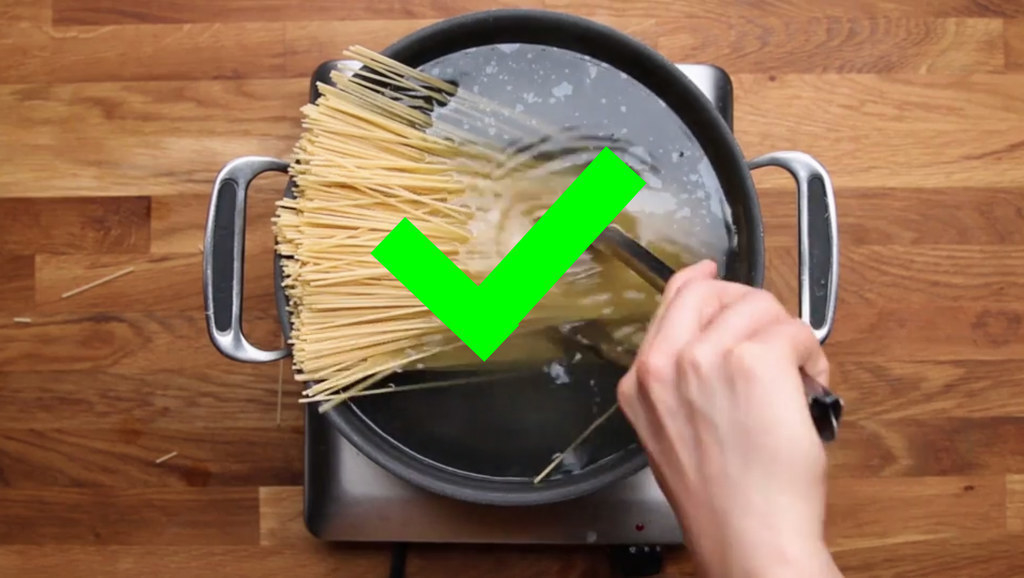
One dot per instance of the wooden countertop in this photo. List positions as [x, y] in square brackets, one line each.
[115, 116]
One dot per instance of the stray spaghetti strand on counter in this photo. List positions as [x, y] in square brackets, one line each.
[163, 459]
[98, 282]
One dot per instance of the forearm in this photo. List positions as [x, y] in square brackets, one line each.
[755, 547]
[768, 560]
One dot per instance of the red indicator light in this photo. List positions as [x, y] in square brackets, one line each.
[639, 527]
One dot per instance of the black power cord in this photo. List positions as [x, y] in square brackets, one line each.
[398, 560]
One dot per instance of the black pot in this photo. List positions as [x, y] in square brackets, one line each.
[377, 428]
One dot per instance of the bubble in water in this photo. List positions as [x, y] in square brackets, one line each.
[573, 460]
[562, 90]
[651, 179]
[653, 202]
[558, 373]
[716, 208]
[640, 152]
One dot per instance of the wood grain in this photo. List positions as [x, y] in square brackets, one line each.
[907, 332]
[1015, 503]
[995, 555]
[931, 388]
[170, 517]
[920, 274]
[312, 42]
[24, 11]
[861, 509]
[983, 554]
[170, 129]
[906, 216]
[1014, 44]
[159, 52]
[795, 9]
[132, 343]
[173, 274]
[74, 225]
[928, 447]
[160, 165]
[104, 12]
[933, 274]
[203, 561]
[867, 129]
[158, 282]
[123, 457]
[773, 43]
[196, 395]
[120, 113]
[16, 285]
[246, 107]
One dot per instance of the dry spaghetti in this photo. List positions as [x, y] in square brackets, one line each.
[370, 155]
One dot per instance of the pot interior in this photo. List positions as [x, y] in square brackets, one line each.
[510, 427]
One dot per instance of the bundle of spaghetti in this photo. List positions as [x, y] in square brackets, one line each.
[372, 153]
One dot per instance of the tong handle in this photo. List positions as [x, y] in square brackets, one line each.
[826, 409]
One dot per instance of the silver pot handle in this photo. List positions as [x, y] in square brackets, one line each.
[223, 256]
[818, 237]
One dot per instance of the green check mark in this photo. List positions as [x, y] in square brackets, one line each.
[484, 316]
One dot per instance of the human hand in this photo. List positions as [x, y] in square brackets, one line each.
[716, 397]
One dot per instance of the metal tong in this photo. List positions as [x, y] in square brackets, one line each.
[826, 407]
